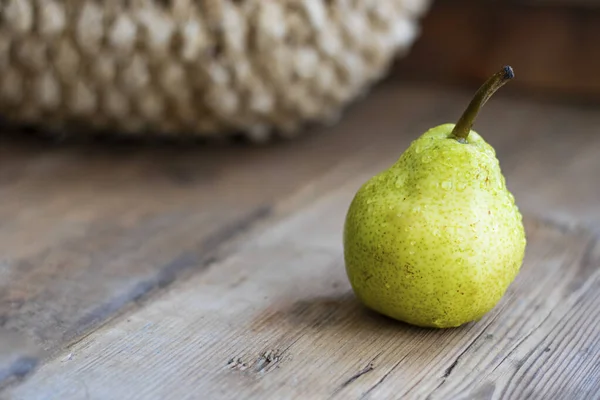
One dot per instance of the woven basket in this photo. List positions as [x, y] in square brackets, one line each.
[193, 67]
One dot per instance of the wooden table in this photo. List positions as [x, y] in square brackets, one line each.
[165, 272]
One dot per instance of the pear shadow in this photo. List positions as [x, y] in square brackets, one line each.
[318, 312]
[343, 317]
[350, 340]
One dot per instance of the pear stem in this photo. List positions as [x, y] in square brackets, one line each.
[463, 126]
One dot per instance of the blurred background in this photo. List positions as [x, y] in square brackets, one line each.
[88, 229]
[262, 70]
[553, 45]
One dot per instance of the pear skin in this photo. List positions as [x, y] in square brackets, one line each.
[436, 239]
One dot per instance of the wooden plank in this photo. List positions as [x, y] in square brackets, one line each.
[276, 319]
[555, 174]
[87, 228]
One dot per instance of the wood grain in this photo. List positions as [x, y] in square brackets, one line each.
[277, 320]
[88, 231]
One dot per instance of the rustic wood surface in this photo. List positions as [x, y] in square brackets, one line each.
[88, 229]
[222, 266]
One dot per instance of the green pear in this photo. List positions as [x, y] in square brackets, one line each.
[436, 239]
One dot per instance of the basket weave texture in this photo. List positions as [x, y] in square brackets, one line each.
[192, 67]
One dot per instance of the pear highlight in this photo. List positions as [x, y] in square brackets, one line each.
[436, 239]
